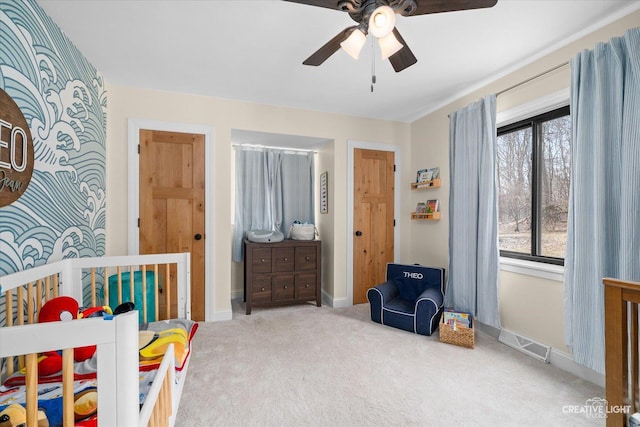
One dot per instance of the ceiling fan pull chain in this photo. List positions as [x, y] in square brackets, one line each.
[373, 64]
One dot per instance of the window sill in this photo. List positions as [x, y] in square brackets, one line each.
[532, 268]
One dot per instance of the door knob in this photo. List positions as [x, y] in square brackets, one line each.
[358, 233]
[198, 236]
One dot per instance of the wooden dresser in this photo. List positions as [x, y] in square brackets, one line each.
[286, 272]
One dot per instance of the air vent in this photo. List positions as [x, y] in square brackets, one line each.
[525, 345]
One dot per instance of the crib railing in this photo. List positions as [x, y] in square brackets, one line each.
[621, 299]
[22, 294]
[116, 356]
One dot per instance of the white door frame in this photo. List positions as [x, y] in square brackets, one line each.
[134, 127]
[351, 147]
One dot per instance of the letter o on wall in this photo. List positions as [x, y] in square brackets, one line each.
[16, 151]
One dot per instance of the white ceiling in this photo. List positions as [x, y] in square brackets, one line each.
[253, 50]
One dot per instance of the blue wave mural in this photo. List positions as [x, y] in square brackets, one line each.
[63, 97]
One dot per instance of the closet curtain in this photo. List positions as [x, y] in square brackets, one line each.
[603, 238]
[473, 220]
[274, 188]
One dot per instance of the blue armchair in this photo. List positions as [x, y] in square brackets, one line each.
[410, 299]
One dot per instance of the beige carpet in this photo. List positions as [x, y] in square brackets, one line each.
[309, 366]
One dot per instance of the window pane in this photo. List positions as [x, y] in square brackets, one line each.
[514, 191]
[555, 180]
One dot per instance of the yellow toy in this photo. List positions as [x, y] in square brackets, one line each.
[16, 416]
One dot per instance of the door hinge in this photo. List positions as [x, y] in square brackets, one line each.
[138, 222]
[394, 167]
[138, 148]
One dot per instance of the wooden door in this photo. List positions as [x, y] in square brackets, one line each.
[373, 219]
[172, 176]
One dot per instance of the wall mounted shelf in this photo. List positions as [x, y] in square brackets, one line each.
[434, 183]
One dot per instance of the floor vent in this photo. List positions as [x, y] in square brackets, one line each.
[534, 349]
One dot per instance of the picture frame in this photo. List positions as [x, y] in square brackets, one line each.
[324, 192]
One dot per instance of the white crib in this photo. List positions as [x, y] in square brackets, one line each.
[22, 294]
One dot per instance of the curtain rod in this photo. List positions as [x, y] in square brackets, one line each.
[258, 147]
[532, 78]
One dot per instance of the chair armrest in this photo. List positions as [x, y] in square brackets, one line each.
[388, 290]
[431, 294]
[428, 310]
[378, 296]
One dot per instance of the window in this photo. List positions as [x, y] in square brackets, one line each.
[534, 174]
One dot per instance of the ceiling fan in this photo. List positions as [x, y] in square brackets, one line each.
[377, 17]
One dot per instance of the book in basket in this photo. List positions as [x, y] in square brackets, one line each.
[456, 327]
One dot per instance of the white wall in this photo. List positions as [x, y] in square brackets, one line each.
[223, 115]
[529, 305]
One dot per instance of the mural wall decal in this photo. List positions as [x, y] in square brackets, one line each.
[63, 99]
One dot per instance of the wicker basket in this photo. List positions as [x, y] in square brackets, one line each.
[462, 336]
[303, 232]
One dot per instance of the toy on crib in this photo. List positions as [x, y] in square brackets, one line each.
[65, 308]
[16, 416]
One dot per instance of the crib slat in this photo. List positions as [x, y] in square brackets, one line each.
[30, 303]
[93, 287]
[167, 290]
[31, 382]
[55, 286]
[119, 286]
[39, 295]
[105, 290]
[156, 287]
[67, 388]
[144, 293]
[131, 290]
[20, 305]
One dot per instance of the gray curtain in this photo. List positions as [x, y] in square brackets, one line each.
[603, 237]
[473, 219]
[274, 188]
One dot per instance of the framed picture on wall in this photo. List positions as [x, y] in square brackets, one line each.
[324, 193]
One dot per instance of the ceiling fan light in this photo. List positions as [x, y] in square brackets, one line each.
[382, 21]
[354, 43]
[389, 45]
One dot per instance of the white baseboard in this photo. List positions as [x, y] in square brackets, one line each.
[565, 362]
[221, 316]
[557, 358]
[332, 302]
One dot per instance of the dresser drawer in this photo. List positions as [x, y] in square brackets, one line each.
[261, 260]
[261, 288]
[305, 286]
[306, 259]
[283, 287]
[283, 259]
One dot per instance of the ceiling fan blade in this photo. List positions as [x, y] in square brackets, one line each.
[438, 6]
[403, 58]
[329, 4]
[322, 54]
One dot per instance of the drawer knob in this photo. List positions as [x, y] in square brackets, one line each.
[262, 260]
[307, 285]
[286, 259]
[285, 287]
[262, 289]
[307, 258]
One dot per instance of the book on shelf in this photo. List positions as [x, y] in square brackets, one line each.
[457, 319]
[424, 175]
[433, 205]
[435, 173]
[421, 208]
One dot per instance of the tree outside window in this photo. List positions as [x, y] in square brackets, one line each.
[534, 176]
